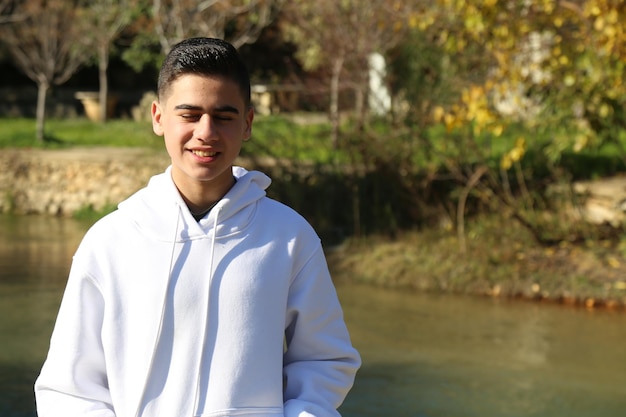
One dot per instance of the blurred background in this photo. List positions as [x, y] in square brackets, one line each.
[462, 161]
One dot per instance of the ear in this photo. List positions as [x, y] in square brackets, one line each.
[249, 119]
[157, 114]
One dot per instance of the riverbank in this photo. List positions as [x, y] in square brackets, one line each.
[501, 258]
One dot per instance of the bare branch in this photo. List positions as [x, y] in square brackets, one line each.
[179, 19]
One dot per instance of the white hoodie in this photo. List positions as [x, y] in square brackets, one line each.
[234, 315]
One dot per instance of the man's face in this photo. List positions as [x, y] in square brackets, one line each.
[204, 122]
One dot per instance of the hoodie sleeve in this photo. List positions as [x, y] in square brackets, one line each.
[320, 363]
[73, 379]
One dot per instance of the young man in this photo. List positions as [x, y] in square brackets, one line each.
[199, 296]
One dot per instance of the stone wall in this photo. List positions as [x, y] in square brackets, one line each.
[60, 182]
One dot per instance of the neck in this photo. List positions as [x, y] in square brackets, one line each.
[201, 211]
[200, 194]
[202, 199]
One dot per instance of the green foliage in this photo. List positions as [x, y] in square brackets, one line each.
[555, 63]
[416, 74]
[502, 260]
[143, 52]
[90, 215]
[285, 138]
[9, 201]
[281, 137]
[388, 178]
[504, 98]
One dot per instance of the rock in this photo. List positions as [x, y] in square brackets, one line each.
[62, 182]
[604, 200]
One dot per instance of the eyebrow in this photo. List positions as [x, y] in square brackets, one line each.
[219, 109]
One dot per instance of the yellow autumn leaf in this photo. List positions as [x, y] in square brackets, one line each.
[598, 24]
[516, 154]
[558, 21]
[613, 262]
[450, 121]
[604, 110]
[497, 130]
[580, 142]
[438, 114]
[505, 162]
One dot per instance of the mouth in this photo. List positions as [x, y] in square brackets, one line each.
[203, 154]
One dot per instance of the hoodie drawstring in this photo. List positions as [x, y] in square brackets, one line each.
[162, 318]
[196, 401]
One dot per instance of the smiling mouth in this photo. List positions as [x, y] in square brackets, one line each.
[203, 154]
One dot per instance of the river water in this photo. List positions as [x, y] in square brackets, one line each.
[424, 355]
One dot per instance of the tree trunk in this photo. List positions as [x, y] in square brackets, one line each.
[42, 91]
[103, 65]
[334, 100]
[359, 106]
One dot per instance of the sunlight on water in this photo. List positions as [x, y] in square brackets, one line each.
[424, 355]
[428, 355]
[35, 254]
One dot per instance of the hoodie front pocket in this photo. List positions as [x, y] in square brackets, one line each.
[245, 411]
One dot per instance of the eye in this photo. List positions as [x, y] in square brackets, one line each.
[190, 117]
[223, 117]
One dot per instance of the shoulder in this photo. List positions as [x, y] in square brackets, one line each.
[289, 218]
[284, 224]
[107, 223]
[109, 230]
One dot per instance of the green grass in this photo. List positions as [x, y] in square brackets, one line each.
[278, 136]
[273, 136]
[60, 133]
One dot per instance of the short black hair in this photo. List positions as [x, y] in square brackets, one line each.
[204, 56]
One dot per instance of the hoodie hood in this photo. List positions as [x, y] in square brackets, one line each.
[159, 212]
[236, 208]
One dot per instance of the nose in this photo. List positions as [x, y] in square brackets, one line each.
[205, 129]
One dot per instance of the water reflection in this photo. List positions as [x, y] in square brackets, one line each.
[35, 254]
[457, 356]
[424, 355]
[37, 250]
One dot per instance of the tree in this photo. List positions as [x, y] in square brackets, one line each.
[108, 18]
[9, 12]
[550, 66]
[552, 63]
[342, 35]
[162, 23]
[6, 12]
[238, 21]
[46, 45]
[337, 39]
